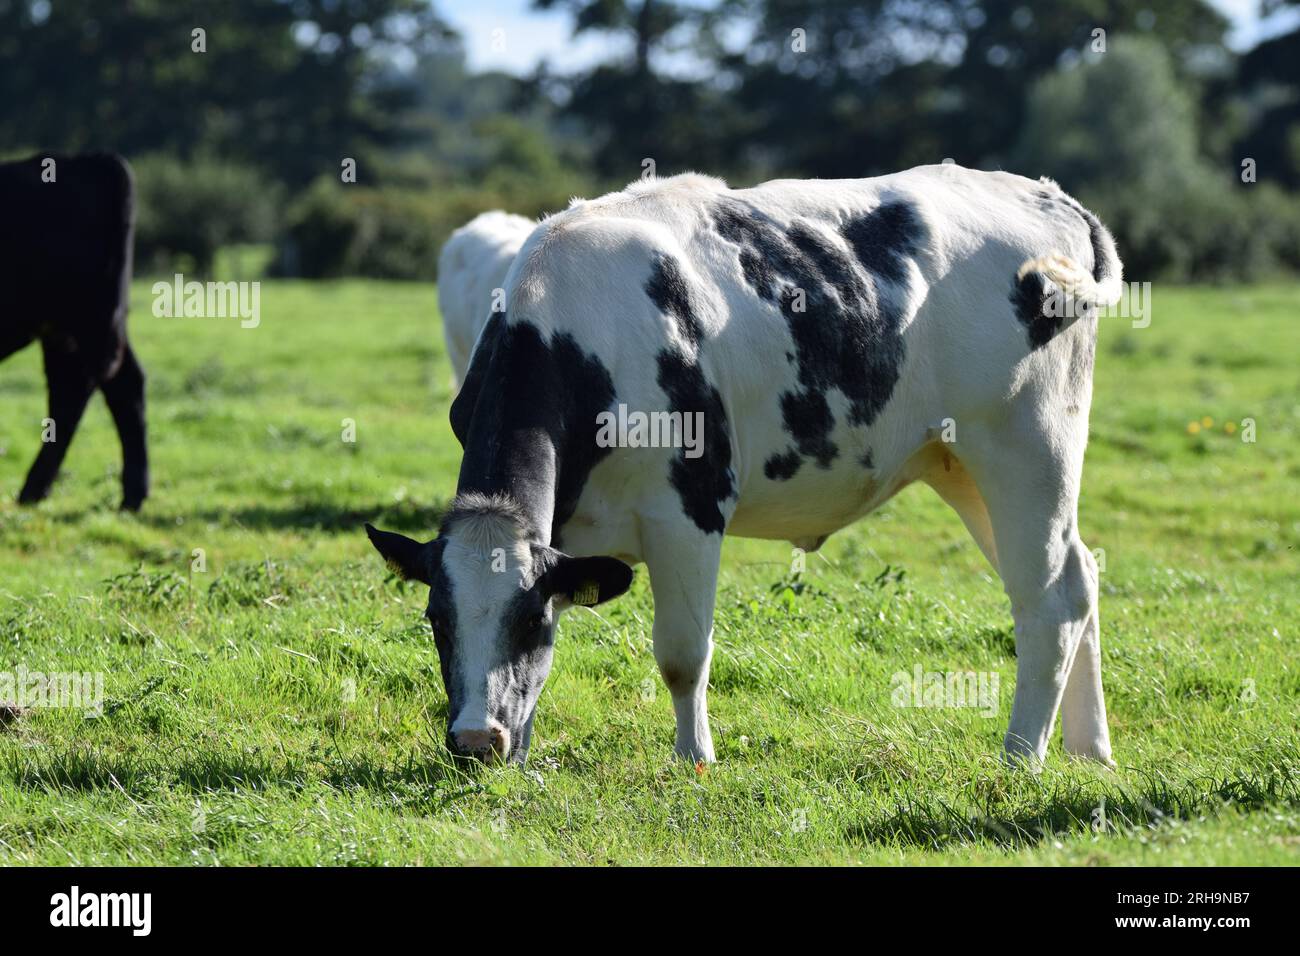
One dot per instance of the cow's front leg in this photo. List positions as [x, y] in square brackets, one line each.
[683, 565]
[69, 387]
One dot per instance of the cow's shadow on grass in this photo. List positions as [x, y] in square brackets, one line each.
[426, 781]
[317, 516]
[1152, 804]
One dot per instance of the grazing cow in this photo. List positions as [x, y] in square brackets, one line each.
[472, 266]
[841, 340]
[65, 258]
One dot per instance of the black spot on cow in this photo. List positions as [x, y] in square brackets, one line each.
[783, 466]
[766, 256]
[809, 420]
[413, 561]
[1050, 203]
[841, 295]
[886, 238]
[1046, 199]
[758, 272]
[526, 417]
[668, 291]
[706, 482]
[1032, 302]
[441, 614]
[832, 263]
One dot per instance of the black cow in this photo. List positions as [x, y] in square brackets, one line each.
[65, 262]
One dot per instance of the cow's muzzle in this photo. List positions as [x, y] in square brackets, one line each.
[491, 743]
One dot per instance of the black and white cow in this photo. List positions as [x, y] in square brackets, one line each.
[834, 335]
[65, 265]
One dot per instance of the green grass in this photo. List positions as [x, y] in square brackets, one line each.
[284, 705]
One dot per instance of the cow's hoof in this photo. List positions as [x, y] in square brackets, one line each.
[1094, 756]
[1018, 755]
[30, 496]
[698, 755]
[134, 492]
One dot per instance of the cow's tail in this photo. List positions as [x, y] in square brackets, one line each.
[1074, 281]
[1103, 287]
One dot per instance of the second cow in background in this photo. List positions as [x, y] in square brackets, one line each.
[65, 258]
[472, 266]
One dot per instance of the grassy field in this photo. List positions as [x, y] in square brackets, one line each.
[284, 705]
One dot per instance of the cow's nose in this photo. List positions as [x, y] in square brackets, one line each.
[483, 742]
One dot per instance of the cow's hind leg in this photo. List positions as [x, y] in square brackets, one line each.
[683, 564]
[1083, 709]
[1029, 479]
[124, 393]
[69, 387]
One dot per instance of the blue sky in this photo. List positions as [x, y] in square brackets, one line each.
[509, 35]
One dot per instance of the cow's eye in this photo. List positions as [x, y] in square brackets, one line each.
[535, 622]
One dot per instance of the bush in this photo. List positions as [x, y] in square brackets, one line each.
[337, 229]
[1211, 230]
[392, 222]
[342, 229]
[1122, 119]
[186, 210]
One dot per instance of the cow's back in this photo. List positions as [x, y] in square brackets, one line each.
[86, 215]
[66, 251]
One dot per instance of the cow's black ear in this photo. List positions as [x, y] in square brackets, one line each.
[408, 558]
[588, 581]
[466, 400]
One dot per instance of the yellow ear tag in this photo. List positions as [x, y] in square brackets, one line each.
[588, 594]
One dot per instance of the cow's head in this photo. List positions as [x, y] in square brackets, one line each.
[494, 597]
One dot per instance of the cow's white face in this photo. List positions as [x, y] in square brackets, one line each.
[496, 629]
[494, 598]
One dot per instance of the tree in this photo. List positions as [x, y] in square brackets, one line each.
[1270, 78]
[1121, 119]
[289, 86]
[876, 85]
[632, 109]
[1120, 132]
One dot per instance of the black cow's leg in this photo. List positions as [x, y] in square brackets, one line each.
[125, 395]
[70, 388]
